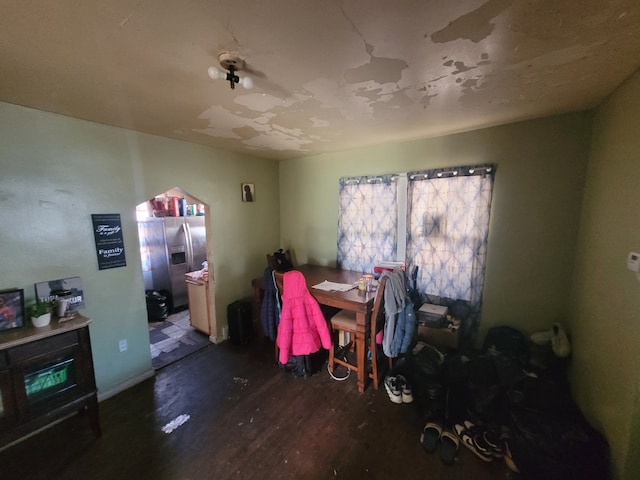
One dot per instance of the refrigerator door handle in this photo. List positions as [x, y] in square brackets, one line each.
[187, 235]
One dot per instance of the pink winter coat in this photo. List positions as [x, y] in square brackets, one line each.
[302, 328]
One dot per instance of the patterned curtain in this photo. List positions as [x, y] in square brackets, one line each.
[367, 222]
[448, 226]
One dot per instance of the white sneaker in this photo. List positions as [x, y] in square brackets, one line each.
[559, 341]
[405, 389]
[542, 339]
[391, 386]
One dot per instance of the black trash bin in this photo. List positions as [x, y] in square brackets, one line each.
[240, 322]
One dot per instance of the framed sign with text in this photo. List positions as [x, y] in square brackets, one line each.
[107, 231]
[51, 290]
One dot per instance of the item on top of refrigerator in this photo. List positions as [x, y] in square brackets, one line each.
[174, 209]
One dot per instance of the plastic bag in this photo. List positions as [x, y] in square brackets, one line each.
[157, 307]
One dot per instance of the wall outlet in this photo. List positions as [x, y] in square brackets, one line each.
[122, 345]
[225, 333]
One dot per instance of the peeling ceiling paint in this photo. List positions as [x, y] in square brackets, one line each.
[328, 75]
[475, 25]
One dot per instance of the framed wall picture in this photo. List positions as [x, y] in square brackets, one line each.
[248, 192]
[11, 309]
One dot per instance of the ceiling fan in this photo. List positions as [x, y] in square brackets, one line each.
[232, 64]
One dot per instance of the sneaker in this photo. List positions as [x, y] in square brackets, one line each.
[486, 440]
[494, 443]
[542, 339]
[391, 386]
[405, 389]
[467, 439]
[508, 458]
[559, 341]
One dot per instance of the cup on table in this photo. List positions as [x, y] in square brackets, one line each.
[61, 307]
[368, 282]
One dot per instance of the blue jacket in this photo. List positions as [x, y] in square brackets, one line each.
[400, 318]
[270, 309]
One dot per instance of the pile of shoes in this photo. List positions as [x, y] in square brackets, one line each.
[398, 389]
[486, 442]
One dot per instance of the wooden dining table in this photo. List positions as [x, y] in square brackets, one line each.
[358, 301]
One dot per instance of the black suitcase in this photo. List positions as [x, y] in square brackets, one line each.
[240, 322]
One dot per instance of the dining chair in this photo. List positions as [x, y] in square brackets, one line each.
[345, 321]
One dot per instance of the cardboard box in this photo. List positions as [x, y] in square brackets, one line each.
[435, 310]
[439, 337]
[430, 315]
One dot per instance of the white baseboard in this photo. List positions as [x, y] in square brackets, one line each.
[125, 385]
[216, 340]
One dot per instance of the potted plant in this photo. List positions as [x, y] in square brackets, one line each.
[40, 313]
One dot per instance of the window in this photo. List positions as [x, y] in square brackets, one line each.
[446, 228]
[447, 231]
[368, 222]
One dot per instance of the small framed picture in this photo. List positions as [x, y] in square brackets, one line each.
[11, 309]
[248, 192]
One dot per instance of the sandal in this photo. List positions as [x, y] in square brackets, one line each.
[448, 447]
[430, 436]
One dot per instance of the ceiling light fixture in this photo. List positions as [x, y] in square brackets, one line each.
[233, 64]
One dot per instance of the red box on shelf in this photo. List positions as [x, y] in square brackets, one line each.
[387, 266]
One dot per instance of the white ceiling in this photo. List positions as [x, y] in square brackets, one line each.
[329, 75]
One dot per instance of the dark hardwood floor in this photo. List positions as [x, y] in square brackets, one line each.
[247, 420]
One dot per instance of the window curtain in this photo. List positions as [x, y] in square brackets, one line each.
[448, 226]
[367, 222]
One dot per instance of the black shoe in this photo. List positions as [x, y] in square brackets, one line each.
[469, 440]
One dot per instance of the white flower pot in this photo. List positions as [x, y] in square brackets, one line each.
[42, 320]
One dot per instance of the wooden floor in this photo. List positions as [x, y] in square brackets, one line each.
[247, 420]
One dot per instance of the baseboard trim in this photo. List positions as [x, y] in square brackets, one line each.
[125, 385]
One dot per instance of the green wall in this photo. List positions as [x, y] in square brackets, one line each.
[535, 211]
[605, 306]
[57, 171]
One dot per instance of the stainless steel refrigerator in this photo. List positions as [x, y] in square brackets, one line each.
[169, 248]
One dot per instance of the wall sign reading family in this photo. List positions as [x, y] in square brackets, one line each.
[107, 231]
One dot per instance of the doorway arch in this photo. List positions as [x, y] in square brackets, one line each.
[173, 233]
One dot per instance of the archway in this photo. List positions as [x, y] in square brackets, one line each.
[172, 231]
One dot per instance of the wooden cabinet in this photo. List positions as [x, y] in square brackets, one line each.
[198, 291]
[45, 374]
